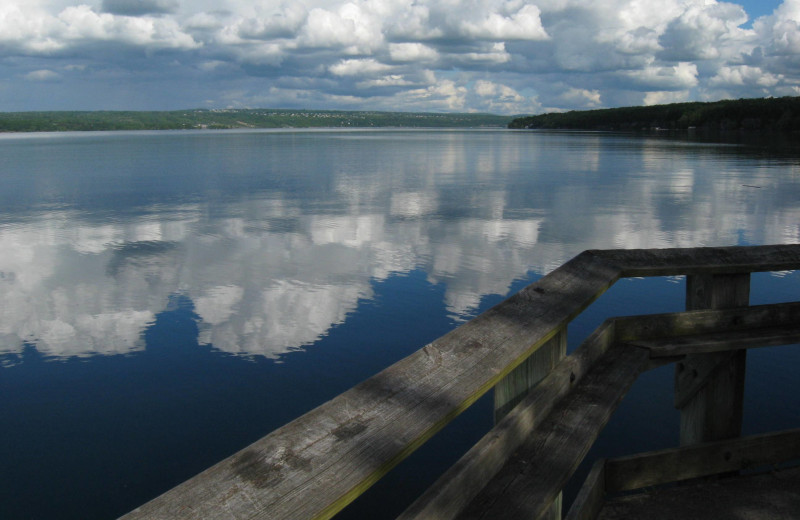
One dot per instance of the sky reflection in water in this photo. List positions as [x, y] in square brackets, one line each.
[249, 276]
[277, 236]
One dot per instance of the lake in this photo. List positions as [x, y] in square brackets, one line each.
[167, 298]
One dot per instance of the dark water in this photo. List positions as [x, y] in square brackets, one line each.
[167, 298]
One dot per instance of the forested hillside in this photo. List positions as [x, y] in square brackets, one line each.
[765, 114]
[234, 118]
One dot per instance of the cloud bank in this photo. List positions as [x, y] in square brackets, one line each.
[507, 56]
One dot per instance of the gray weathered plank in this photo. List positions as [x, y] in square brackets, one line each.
[453, 491]
[714, 412]
[764, 496]
[703, 260]
[317, 464]
[591, 497]
[526, 486]
[722, 341]
[698, 460]
[515, 386]
[692, 323]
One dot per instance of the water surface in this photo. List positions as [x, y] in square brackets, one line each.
[170, 297]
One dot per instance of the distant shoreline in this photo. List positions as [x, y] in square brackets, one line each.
[201, 119]
[760, 114]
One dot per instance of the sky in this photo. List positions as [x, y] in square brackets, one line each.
[498, 56]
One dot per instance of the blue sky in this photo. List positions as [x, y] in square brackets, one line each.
[756, 8]
[501, 56]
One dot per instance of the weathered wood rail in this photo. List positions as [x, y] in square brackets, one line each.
[549, 408]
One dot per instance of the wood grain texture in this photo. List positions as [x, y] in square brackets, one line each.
[515, 386]
[454, 490]
[693, 323]
[702, 260]
[765, 496]
[526, 486]
[722, 341]
[591, 497]
[317, 464]
[714, 412]
[665, 466]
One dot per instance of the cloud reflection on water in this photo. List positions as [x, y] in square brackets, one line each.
[269, 271]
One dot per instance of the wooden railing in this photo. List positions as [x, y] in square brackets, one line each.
[320, 462]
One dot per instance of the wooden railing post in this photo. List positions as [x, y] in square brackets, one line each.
[709, 388]
[516, 385]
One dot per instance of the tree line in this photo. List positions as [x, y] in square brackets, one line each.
[760, 114]
[55, 121]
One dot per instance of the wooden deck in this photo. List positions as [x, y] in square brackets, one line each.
[549, 407]
[769, 496]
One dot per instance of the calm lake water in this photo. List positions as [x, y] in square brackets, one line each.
[166, 298]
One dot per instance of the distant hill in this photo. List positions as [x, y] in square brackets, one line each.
[764, 114]
[234, 118]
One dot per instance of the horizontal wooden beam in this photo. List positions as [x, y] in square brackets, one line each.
[527, 485]
[454, 490]
[703, 260]
[721, 341]
[314, 466]
[690, 323]
[698, 460]
[706, 331]
[320, 462]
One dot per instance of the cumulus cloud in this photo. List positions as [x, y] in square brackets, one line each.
[367, 67]
[412, 52]
[525, 24]
[654, 78]
[565, 53]
[705, 32]
[350, 27]
[444, 95]
[501, 98]
[30, 30]
[581, 97]
[743, 75]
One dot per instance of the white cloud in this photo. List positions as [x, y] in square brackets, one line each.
[444, 95]
[502, 99]
[705, 32]
[412, 52]
[82, 23]
[35, 31]
[284, 23]
[357, 67]
[525, 24]
[676, 77]
[496, 53]
[42, 75]
[581, 97]
[665, 97]
[204, 21]
[349, 27]
[743, 75]
[565, 53]
[393, 80]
